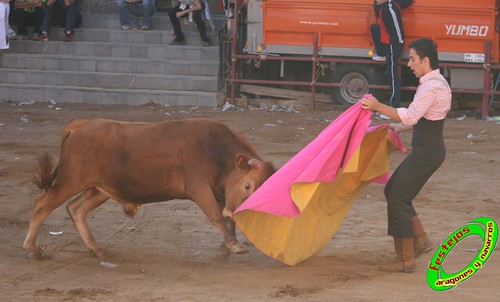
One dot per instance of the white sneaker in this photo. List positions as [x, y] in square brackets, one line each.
[379, 58]
[12, 34]
[129, 27]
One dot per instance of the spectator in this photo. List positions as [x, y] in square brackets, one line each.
[4, 25]
[181, 11]
[27, 13]
[128, 9]
[65, 13]
[392, 36]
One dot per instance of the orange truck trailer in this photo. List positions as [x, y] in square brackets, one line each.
[466, 32]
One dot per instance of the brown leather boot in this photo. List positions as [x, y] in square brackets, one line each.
[421, 242]
[405, 261]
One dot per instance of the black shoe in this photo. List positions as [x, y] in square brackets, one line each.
[177, 42]
[207, 43]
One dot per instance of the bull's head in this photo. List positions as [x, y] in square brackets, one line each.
[247, 175]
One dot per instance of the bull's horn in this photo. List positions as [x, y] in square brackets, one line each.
[254, 163]
[226, 213]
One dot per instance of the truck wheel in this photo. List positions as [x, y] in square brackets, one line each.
[359, 74]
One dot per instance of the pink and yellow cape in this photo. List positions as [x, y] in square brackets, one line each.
[298, 210]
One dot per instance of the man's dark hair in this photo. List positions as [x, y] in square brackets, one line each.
[426, 48]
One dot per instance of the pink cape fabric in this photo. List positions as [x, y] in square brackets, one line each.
[319, 161]
[298, 210]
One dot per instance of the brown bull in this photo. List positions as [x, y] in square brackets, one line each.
[137, 163]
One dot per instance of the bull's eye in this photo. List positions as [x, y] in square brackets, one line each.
[247, 186]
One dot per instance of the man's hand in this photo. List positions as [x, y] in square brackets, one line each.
[370, 103]
[398, 127]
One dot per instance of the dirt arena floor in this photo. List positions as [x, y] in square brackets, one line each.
[170, 251]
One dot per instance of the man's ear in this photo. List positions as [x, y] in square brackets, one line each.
[426, 61]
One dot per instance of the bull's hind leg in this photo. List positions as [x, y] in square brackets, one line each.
[78, 210]
[44, 205]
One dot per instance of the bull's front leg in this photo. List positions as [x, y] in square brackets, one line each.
[208, 204]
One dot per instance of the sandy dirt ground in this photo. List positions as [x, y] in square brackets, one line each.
[170, 251]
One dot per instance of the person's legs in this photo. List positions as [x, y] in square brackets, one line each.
[394, 74]
[59, 15]
[148, 10]
[176, 24]
[48, 14]
[197, 18]
[127, 21]
[380, 49]
[403, 186]
[69, 25]
[20, 17]
[37, 20]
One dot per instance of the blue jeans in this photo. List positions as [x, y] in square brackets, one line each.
[127, 11]
[71, 14]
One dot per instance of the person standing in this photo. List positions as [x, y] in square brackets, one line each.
[426, 116]
[391, 37]
[182, 10]
[66, 13]
[127, 9]
[4, 24]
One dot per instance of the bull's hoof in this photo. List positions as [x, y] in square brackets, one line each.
[36, 254]
[98, 252]
[131, 210]
[236, 248]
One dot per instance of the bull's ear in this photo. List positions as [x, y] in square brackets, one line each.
[241, 161]
[255, 163]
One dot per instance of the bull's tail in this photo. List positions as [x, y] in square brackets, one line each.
[46, 175]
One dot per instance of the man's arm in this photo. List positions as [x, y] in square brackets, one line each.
[196, 7]
[398, 127]
[371, 103]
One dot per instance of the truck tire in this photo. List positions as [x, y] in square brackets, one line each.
[360, 74]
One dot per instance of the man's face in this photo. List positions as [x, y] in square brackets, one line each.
[416, 64]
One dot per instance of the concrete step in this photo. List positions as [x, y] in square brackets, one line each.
[53, 62]
[94, 95]
[127, 36]
[159, 21]
[108, 80]
[116, 50]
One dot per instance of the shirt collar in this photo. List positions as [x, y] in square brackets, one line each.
[428, 75]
